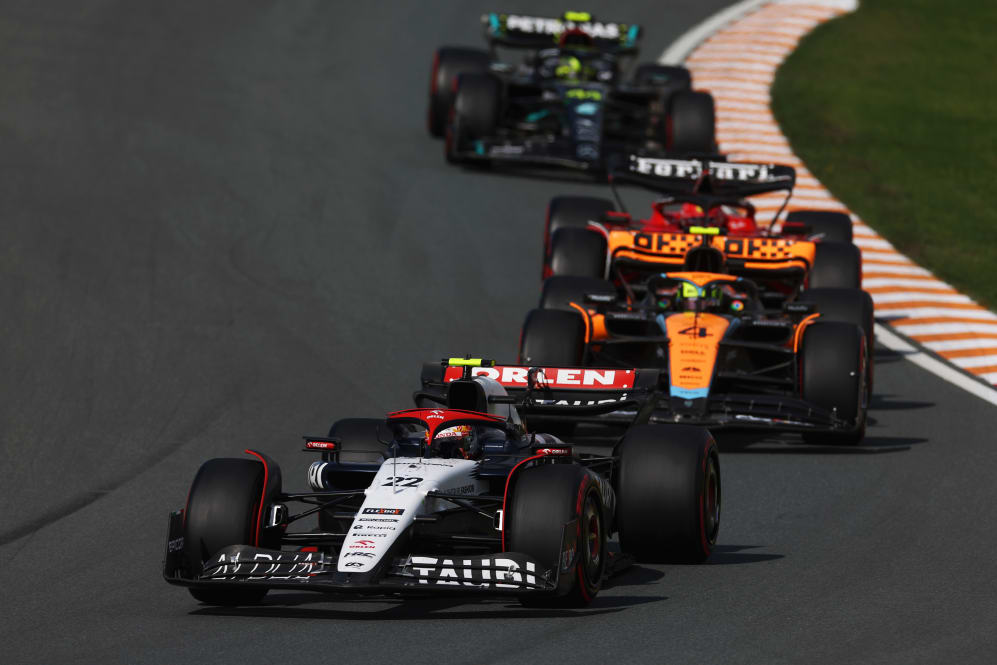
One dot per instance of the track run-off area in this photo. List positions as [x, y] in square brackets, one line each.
[224, 225]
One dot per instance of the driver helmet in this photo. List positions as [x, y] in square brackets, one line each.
[576, 39]
[457, 442]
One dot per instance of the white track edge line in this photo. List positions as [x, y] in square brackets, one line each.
[939, 368]
[676, 55]
[684, 45]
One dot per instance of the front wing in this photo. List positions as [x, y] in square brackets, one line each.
[491, 574]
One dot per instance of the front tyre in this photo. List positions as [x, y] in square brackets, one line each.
[833, 377]
[223, 509]
[547, 499]
[668, 493]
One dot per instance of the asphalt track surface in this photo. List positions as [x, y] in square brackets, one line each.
[223, 225]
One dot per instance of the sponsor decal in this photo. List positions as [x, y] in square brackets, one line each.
[537, 25]
[363, 545]
[174, 544]
[482, 572]
[376, 519]
[260, 565]
[320, 445]
[666, 168]
[315, 470]
[458, 491]
[354, 564]
[554, 452]
[740, 172]
[582, 93]
[435, 414]
[579, 402]
[554, 377]
[383, 511]
[454, 432]
[369, 555]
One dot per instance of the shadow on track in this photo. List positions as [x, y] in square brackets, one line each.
[724, 555]
[293, 606]
[761, 444]
[884, 403]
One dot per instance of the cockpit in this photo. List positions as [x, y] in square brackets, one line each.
[697, 292]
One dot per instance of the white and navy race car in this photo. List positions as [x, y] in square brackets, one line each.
[456, 496]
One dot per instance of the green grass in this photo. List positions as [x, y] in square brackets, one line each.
[894, 109]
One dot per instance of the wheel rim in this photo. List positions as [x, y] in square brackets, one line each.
[592, 519]
[711, 501]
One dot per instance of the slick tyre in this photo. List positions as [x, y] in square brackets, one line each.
[448, 63]
[572, 212]
[578, 252]
[691, 123]
[833, 376]
[474, 114]
[836, 265]
[824, 225]
[552, 338]
[853, 306]
[668, 493]
[559, 292]
[545, 500]
[223, 508]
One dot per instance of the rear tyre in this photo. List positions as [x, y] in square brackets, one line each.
[836, 265]
[448, 63]
[692, 122]
[475, 112]
[853, 306]
[828, 225]
[544, 499]
[559, 292]
[833, 357]
[223, 508]
[552, 338]
[572, 212]
[578, 253]
[668, 493]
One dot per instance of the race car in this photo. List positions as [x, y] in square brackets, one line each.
[702, 198]
[567, 104]
[725, 360]
[457, 495]
[706, 223]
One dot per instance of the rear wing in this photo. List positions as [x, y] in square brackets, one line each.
[707, 176]
[536, 32]
[552, 390]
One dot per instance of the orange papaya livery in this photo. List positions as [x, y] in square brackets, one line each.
[692, 352]
[670, 249]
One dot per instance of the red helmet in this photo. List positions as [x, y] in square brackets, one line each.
[575, 38]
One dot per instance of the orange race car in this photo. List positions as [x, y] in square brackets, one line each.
[704, 204]
[727, 361]
[706, 223]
